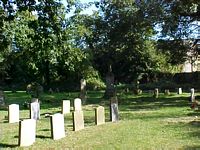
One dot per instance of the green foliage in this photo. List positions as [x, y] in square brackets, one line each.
[93, 79]
[34, 89]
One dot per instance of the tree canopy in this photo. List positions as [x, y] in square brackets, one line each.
[41, 42]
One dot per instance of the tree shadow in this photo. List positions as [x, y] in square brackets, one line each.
[4, 145]
[43, 137]
[195, 147]
[150, 103]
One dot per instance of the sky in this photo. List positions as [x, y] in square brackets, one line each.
[87, 11]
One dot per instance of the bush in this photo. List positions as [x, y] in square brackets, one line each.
[34, 89]
[95, 83]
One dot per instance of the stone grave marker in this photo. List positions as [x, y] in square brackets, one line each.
[77, 104]
[34, 100]
[167, 92]
[57, 126]
[35, 110]
[27, 132]
[100, 115]
[192, 95]
[83, 90]
[78, 120]
[13, 113]
[2, 98]
[114, 112]
[156, 93]
[180, 91]
[65, 106]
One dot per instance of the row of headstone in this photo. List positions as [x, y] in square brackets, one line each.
[166, 92]
[13, 112]
[27, 128]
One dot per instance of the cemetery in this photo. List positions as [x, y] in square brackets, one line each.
[139, 121]
[99, 74]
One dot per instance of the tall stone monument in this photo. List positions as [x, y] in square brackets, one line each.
[83, 90]
[110, 89]
[2, 98]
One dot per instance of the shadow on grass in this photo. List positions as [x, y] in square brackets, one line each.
[43, 137]
[195, 147]
[149, 103]
[4, 145]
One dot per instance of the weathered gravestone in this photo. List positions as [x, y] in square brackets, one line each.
[180, 91]
[83, 90]
[114, 112]
[65, 106]
[192, 96]
[35, 110]
[100, 115]
[78, 120]
[13, 113]
[2, 98]
[156, 93]
[77, 104]
[57, 126]
[167, 92]
[27, 132]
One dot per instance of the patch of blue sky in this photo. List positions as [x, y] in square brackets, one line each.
[88, 10]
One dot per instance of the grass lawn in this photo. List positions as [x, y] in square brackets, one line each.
[145, 123]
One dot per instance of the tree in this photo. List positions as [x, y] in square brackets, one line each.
[121, 37]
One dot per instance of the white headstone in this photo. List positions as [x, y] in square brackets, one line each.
[100, 115]
[78, 120]
[179, 90]
[65, 106]
[57, 126]
[77, 104]
[192, 96]
[35, 110]
[27, 132]
[13, 113]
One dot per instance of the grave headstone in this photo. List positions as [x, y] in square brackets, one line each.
[77, 104]
[156, 93]
[34, 100]
[2, 98]
[57, 126]
[78, 120]
[13, 113]
[192, 95]
[27, 132]
[167, 92]
[65, 106]
[35, 110]
[180, 91]
[83, 90]
[100, 115]
[114, 112]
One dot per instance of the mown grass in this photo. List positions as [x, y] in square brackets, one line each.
[145, 123]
